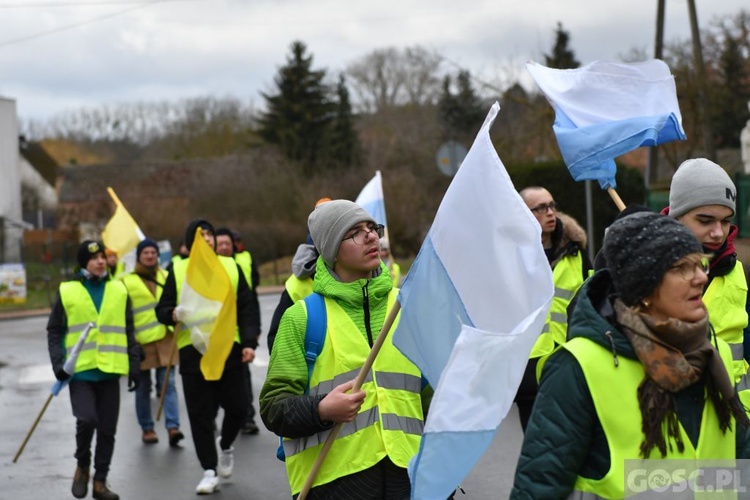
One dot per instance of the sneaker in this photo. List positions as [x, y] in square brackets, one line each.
[208, 484]
[150, 437]
[80, 482]
[102, 492]
[226, 460]
[175, 436]
[250, 428]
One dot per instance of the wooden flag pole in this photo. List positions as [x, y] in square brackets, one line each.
[616, 198]
[114, 196]
[358, 381]
[165, 383]
[33, 427]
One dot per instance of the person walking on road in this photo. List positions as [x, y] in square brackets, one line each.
[202, 397]
[110, 351]
[228, 246]
[383, 421]
[145, 286]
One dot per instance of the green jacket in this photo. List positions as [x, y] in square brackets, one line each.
[564, 437]
[284, 407]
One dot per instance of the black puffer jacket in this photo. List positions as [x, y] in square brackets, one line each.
[564, 437]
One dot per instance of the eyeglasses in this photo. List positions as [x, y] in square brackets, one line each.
[542, 209]
[360, 235]
[688, 269]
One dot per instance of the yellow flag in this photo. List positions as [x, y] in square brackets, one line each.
[121, 233]
[210, 307]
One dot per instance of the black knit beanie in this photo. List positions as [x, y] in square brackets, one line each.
[87, 250]
[640, 248]
[192, 227]
[143, 244]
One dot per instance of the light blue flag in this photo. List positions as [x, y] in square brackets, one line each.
[606, 109]
[371, 199]
[473, 304]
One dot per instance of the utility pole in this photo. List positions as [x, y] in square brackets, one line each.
[652, 164]
[708, 136]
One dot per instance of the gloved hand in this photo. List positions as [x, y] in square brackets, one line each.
[61, 375]
[133, 383]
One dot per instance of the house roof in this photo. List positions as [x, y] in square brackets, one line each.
[37, 156]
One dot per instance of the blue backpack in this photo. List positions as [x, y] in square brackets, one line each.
[315, 337]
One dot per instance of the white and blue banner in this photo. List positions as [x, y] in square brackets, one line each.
[606, 109]
[473, 304]
[371, 199]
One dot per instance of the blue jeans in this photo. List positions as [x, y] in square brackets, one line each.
[143, 399]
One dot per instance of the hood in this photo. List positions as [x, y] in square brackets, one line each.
[191, 228]
[350, 294]
[592, 316]
[304, 261]
[567, 239]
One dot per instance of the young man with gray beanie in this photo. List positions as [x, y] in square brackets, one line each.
[382, 422]
[702, 196]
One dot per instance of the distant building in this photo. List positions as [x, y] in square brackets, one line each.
[22, 180]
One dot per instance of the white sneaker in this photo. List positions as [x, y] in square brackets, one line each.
[226, 460]
[208, 484]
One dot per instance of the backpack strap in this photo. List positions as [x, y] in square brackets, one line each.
[315, 333]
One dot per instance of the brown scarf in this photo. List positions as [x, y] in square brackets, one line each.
[148, 276]
[675, 354]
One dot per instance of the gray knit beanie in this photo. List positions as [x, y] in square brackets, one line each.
[640, 248]
[330, 221]
[699, 182]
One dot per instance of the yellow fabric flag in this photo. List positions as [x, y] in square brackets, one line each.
[209, 306]
[121, 233]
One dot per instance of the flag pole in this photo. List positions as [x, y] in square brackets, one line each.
[164, 384]
[616, 198]
[33, 427]
[358, 381]
[114, 196]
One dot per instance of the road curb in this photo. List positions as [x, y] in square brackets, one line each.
[30, 313]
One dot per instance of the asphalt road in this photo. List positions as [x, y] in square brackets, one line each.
[150, 472]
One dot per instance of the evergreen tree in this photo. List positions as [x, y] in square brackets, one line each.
[730, 111]
[342, 147]
[297, 115]
[562, 56]
[461, 114]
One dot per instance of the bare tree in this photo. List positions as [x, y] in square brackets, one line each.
[391, 77]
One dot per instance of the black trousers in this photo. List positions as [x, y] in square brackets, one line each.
[96, 406]
[249, 386]
[203, 399]
[527, 392]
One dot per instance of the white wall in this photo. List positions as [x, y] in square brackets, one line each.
[10, 181]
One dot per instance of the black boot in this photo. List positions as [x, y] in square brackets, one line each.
[101, 492]
[80, 482]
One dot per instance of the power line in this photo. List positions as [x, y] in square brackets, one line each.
[90, 3]
[139, 5]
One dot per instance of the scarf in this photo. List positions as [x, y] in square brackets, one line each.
[675, 355]
[148, 276]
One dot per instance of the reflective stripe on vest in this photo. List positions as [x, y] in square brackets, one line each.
[390, 421]
[620, 417]
[245, 261]
[179, 269]
[147, 327]
[568, 278]
[298, 289]
[725, 300]
[106, 346]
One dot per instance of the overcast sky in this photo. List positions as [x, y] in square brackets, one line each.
[58, 55]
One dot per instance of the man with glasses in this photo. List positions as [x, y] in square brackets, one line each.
[702, 196]
[382, 422]
[564, 241]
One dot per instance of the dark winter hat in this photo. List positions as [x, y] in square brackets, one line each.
[146, 242]
[640, 248]
[192, 227]
[699, 182]
[330, 221]
[87, 250]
